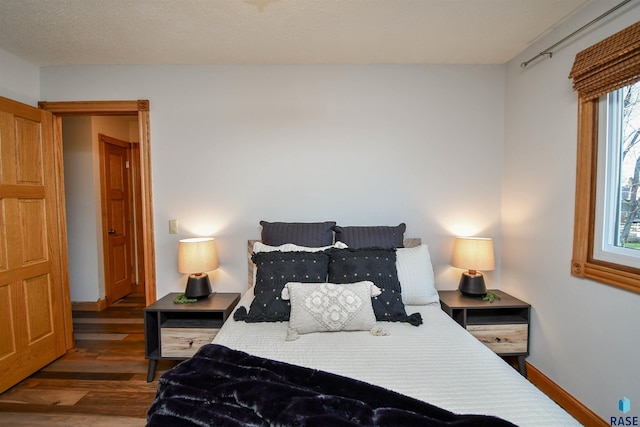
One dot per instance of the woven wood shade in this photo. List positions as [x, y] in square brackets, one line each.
[608, 65]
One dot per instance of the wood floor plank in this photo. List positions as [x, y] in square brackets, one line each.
[60, 396]
[106, 328]
[115, 320]
[67, 420]
[136, 337]
[79, 386]
[99, 337]
[126, 409]
[125, 403]
[78, 376]
[109, 313]
[97, 365]
[133, 343]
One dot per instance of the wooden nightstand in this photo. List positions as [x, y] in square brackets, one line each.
[502, 325]
[177, 331]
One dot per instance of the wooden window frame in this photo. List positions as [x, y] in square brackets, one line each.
[583, 264]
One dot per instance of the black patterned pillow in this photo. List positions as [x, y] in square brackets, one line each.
[311, 234]
[379, 266]
[371, 236]
[274, 270]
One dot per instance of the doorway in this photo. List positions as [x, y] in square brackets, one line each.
[100, 182]
[139, 109]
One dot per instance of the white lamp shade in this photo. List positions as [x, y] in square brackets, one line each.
[197, 255]
[473, 253]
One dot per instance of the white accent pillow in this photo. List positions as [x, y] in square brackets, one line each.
[415, 274]
[329, 307]
[290, 247]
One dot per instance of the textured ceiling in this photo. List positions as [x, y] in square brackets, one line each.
[65, 32]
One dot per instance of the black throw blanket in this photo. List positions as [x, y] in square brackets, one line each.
[224, 387]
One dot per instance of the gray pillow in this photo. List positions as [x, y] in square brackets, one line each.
[371, 237]
[311, 234]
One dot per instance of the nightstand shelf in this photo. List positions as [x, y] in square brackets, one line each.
[176, 331]
[502, 325]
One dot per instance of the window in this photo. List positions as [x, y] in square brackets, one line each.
[607, 217]
[617, 213]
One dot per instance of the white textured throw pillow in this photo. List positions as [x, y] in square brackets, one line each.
[415, 274]
[328, 307]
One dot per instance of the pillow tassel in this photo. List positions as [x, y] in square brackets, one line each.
[240, 314]
[375, 291]
[379, 331]
[415, 319]
[292, 334]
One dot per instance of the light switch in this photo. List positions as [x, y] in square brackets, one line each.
[173, 226]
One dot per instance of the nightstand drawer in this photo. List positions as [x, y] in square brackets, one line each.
[502, 339]
[184, 342]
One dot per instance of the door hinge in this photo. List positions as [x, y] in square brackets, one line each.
[127, 164]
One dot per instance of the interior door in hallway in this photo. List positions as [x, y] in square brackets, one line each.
[116, 216]
[33, 271]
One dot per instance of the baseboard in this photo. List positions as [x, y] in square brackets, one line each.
[570, 404]
[88, 305]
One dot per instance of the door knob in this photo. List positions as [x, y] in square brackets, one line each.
[111, 231]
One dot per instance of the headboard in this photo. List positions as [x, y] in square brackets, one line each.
[409, 242]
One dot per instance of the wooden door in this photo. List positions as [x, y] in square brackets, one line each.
[116, 217]
[32, 264]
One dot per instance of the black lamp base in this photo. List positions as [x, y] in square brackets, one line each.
[472, 285]
[198, 286]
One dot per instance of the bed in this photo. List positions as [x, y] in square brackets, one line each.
[424, 356]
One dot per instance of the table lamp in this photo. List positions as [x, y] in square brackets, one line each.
[473, 254]
[195, 256]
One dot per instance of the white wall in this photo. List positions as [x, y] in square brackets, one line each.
[19, 79]
[232, 145]
[83, 203]
[584, 335]
[80, 203]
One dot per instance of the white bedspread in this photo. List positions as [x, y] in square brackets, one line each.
[438, 362]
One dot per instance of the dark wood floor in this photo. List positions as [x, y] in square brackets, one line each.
[101, 382]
